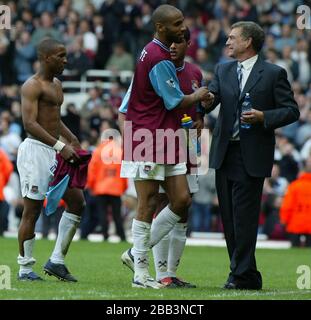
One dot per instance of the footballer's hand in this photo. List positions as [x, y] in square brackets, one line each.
[69, 154]
[201, 94]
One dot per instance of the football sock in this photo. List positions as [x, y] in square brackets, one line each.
[141, 236]
[177, 244]
[27, 261]
[66, 230]
[160, 257]
[162, 225]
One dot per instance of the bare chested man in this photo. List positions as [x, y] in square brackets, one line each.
[42, 97]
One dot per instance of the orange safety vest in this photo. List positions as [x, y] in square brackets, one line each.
[295, 211]
[6, 168]
[104, 170]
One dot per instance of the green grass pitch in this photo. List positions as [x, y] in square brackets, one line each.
[102, 276]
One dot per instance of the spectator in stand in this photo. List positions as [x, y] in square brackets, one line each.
[286, 39]
[77, 59]
[45, 29]
[40, 6]
[7, 46]
[105, 42]
[25, 54]
[94, 102]
[90, 42]
[288, 158]
[300, 54]
[27, 18]
[296, 208]
[72, 120]
[272, 226]
[120, 59]
[130, 25]
[112, 12]
[145, 26]
[276, 184]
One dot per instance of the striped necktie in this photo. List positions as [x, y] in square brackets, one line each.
[236, 125]
[240, 75]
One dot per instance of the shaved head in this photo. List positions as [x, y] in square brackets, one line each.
[47, 46]
[163, 13]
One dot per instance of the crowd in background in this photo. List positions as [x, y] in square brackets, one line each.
[109, 34]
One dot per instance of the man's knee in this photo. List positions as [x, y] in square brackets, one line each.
[181, 201]
[32, 210]
[76, 206]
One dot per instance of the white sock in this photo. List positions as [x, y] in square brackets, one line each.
[177, 244]
[27, 261]
[162, 225]
[140, 251]
[160, 257]
[66, 230]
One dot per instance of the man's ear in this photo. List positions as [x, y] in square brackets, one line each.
[160, 27]
[249, 42]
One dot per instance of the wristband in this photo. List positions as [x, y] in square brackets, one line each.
[58, 146]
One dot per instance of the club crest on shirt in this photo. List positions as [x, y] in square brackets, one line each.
[171, 83]
[194, 85]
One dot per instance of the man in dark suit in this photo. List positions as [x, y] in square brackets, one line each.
[244, 157]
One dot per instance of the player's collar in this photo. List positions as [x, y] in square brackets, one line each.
[162, 45]
[181, 68]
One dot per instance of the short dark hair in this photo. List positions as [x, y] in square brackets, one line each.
[252, 30]
[47, 46]
[163, 13]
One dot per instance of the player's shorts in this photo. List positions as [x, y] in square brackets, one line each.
[193, 184]
[36, 163]
[140, 170]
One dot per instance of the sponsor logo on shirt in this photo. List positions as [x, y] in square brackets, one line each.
[171, 83]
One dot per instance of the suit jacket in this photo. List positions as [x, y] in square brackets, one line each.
[271, 93]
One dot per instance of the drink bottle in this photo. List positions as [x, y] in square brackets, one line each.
[246, 106]
[187, 123]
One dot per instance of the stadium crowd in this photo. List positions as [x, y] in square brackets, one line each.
[109, 35]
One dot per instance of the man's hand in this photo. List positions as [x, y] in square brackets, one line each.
[252, 116]
[201, 94]
[209, 101]
[69, 154]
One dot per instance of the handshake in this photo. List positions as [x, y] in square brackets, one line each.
[204, 96]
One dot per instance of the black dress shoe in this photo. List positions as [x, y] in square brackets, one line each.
[242, 286]
[230, 279]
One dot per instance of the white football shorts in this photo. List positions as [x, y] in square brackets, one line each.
[140, 170]
[36, 163]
